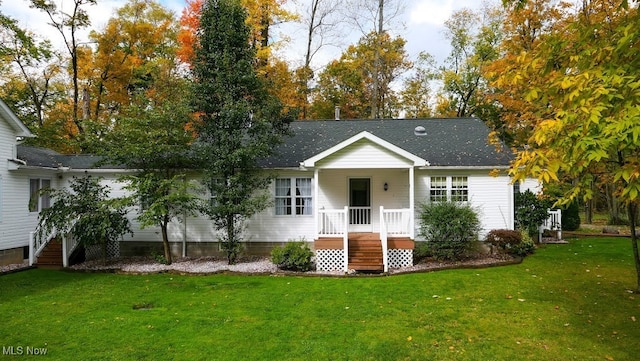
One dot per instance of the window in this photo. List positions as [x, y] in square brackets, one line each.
[438, 191]
[455, 189]
[459, 189]
[37, 200]
[293, 191]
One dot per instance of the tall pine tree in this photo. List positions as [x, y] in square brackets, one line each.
[239, 122]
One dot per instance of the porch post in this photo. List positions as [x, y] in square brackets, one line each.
[412, 200]
[316, 206]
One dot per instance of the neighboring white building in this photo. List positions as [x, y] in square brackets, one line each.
[336, 181]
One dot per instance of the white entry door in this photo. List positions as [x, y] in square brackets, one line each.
[360, 205]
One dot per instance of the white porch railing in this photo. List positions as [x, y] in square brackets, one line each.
[335, 223]
[36, 245]
[552, 223]
[397, 221]
[384, 240]
[360, 215]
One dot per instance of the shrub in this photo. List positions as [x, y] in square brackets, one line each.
[511, 242]
[294, 256]
[450, 228]
[571, 217]
[524, 248]
[531, 211]
[421, 251]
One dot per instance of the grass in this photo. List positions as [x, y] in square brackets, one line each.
[566, 302]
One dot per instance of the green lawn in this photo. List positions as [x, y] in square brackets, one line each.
[566, 302]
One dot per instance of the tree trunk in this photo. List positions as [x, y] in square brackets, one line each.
[231, 240]
[165, 243]
[632, 209]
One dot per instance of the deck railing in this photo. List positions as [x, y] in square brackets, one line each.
[335, 223]
[552, 223]
[384, 240]
[360, 215]
[37, 244]
[396, 221]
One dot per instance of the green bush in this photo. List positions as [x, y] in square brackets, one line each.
[450, 228]
[421, 251]
[571, 217]
[524, 248]
[531, 211]
[294, 256]
[511, 242]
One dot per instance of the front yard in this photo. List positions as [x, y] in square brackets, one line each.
[566, 302]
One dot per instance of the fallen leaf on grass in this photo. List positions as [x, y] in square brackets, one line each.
[409, 338]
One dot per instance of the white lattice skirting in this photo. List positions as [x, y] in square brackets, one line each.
[329, 259]
[95, 251]
[400, 258]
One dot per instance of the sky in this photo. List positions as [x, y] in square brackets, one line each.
[421, 24]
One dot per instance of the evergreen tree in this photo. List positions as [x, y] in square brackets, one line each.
[239, 122]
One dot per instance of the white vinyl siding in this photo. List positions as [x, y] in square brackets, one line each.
[364, 154]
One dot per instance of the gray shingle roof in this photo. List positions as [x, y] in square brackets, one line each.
[452, 142]
[47, 158]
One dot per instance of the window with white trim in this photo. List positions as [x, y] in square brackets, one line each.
[293, 196]
[459, 189]
[438, 189]
[455, 189]
[38, 200]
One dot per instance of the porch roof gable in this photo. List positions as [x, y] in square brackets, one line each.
[417, 161]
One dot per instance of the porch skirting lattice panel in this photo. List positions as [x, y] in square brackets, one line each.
[400, 258]
[329, 259]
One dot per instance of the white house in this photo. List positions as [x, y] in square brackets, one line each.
[351, 188]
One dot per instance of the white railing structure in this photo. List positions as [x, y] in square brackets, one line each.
[552, 223]
[384, 240]
[397, 221]
[37, 244]
[335, 223]
[360, 215]
[69, 244]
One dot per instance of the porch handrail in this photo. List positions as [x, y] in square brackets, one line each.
[37, 244]
[69, 244]
[384, 240]
[397, 221]
[552, 223]
[345, 240]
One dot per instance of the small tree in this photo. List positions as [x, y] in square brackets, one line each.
[154, 137]
[239, 121]
[450, 228]
[86, 212]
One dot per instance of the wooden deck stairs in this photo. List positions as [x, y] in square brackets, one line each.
[365, 249]
[365, 252]
[51, 255]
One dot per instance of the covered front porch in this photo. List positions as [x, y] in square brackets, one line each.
[364, 196]
[339, 249]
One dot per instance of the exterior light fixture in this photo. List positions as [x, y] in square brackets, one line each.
[386, 186]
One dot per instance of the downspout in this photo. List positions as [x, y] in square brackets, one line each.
[184, 236]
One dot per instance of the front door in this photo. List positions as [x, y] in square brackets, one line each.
[360, 205]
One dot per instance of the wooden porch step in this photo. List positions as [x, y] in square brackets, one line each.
[51, 255]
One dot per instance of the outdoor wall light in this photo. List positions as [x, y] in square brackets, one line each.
[386, 186]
